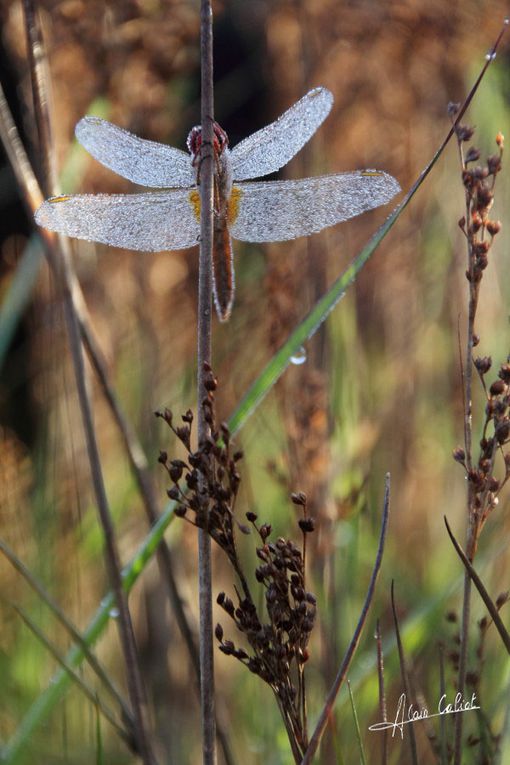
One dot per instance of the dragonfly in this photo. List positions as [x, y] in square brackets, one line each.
[168, 218]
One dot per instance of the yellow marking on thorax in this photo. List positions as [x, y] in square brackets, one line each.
[371, 173]
[194, 198]
[233, 205]
[56, 200]
[232, 209]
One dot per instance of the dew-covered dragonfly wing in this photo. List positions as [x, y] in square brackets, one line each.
[150, 222]
[270, 148]
[144, 162]
[275, 211]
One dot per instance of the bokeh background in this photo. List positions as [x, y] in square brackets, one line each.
[379, 388]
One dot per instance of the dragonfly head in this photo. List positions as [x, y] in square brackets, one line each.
[194, 142]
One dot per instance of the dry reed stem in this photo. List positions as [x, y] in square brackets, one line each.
[206, 647]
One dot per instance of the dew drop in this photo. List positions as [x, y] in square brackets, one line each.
[490, 56]
[113, 613]
[299, 357]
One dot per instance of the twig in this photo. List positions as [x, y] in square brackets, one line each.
[491, 607]
[331, 697]
[204, 360]
[39, 77]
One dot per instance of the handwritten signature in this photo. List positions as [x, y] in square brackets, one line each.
[410, 714]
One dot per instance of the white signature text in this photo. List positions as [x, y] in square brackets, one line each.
[409, 714]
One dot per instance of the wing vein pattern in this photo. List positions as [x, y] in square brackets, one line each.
[276, 211]
[273, 146]
[146, 163]
[161, 220]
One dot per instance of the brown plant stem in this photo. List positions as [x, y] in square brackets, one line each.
[461, 678]
[204, 360]
[467, 377]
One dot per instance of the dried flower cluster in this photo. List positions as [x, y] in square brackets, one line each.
[210, 476]
[278, 641]
[279, 645]
[480, 230]
[486, 487]
[479, 185]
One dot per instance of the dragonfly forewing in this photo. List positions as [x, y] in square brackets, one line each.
[162, 220]
[140, 161]
[273, 146]
[276, 211]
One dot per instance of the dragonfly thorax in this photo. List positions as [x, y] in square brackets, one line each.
[194, 142]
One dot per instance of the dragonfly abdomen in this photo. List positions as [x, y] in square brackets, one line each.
[223, 269]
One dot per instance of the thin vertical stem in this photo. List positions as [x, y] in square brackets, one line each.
[38, 74]
[468, 427]
[204, 359]
[468, 448]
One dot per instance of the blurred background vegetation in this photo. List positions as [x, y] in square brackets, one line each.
[379, 389]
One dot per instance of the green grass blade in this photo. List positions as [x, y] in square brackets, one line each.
[99, 740]
[363, 760]
[19, 294]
